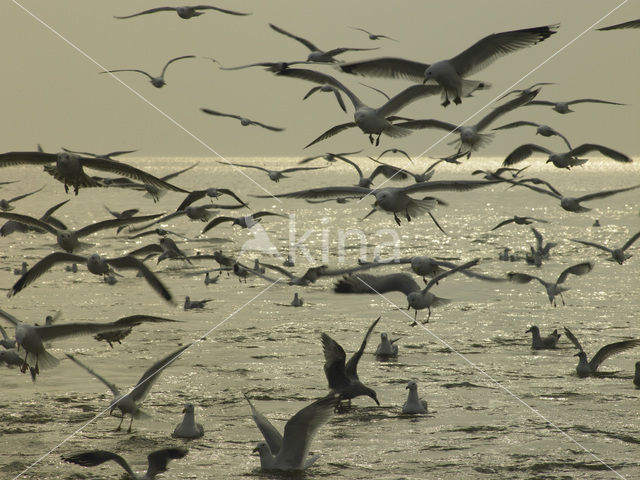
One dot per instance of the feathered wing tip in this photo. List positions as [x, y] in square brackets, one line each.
[470, 86]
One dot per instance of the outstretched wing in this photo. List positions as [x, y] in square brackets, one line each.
[271, 435]
[144, 12]
[351, 369]
[606, 151]
[334, 362]
[303, 41]
[41, 267]
[367, 283]
[110, 386]
[573, 339]
[174, 60]
[93, 458]
[149, 377]
[578, 269]
[388, 67]
[523, 152]
[446, 273]
[609, 350]
[130, 262]
[159, 459]
[331, 132]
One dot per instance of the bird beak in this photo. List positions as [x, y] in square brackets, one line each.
[184, 410]
[407, 387]
[577, 354]
[254, 450]
[528, 331]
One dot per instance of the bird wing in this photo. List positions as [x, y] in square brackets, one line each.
[609, 350]
[173, 60]
[51, 211]
[30, 221]
[446, 273]
[130, 262]
[367, 283]
[24, 195]
[271, 435]
[351, 368]
[299, 169]
[97, 457]
[322, 192]
[115, 222]
[503, 223]
[490, 48]
[606, 193]
[303, 41]
[407, 96]
[592, 244]
[268, 127]
[302, 427]
[339, 99]
[334, 362]
[573, 339]
[149, 377]
[592, 100]
[606, 151]
[506, 107]
[108, 165]
[257, 167]
[350, 162]
[64, 330]
[179, 172]
[26, 158]
[279, 269]
[523, 278]
[331, 132]
[157, 461]
[192, 197]
[521, 123]
[630, 242]
[13, 320]
[220, 114]
[524, 151]
[428, 123]
[110, 386]
[151, 10]
[629, 24]
[216, 221]
[210, 7]
[266, 214]
[538, 236]
[446, 185]
[322, 79]
[41, 267]
[389, 67]
[389, 171]
[578, 269]
[128, 70]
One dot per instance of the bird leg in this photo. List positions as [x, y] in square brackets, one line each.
[378, 139]
[75, 190]
[457, 100]
[23, 368]
[395, 217]
[371, 139]
[407, 215]
[130, 423]
[562, 299]
[428, 315]
[446, 99]
[120, 424]
[33, 373]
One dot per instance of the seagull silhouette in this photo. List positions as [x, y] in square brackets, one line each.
[158, 81]
[243, 120]
[543, 343]
[617, 254]
[564, 160]
[186, 12]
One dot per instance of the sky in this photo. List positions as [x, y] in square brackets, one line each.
[53, 93]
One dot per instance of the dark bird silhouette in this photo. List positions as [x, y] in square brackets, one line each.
[158, 81]
[186, 12]
[617, 254]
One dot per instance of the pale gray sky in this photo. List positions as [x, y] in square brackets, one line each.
[53, 95]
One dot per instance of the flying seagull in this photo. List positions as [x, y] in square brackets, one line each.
[244, 121]
[68, 168]
[617, 254]
[556, 288]
[95, 264]
[186, 12]
[274, 175]
[563, 107]
[343, 378]
[451, 74]
[373, 36]
[290, 452]
[567, 159]
[245, 222]
[317, 55]
[128, 403]
[125, 326]
[518, 221]
[11, 226]
[5, 205]
[586, 368]
[541, 129]
[157, 461]
[158, 81]
[621, 26]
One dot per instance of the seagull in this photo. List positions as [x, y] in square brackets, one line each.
[208, 280]
[624, 25]
[541, 250]
[553, 289]
[636, 376]
[470, 137]
[525, 90]
[395, 200]
[373, 36]
[518, 221]
[291, 451]
[69, 240]
[244, 121]
[10, 357]
[24, 268]
[586, 368]
[451, 73]
[195, 304]
[372, 121]
[617, 254]
[245, 222]
[5, 205]
[329, 157]
[202, 213]
[95, 264]
[6, 342]
[395, 151]
[274, 67]
[31, 339]
[166, 248]
[570, 204]
[106, 156]
[297, 301]
[68, 168]
[125, 326]
[497, 174]
[316, 54]
[539, 343]
[158, 81]
[274, 175]
[389, 171]
[544, 130]
[387, 348]
[414, 404]
[417, 298]
[563, 107]
[343, 378]
[128, 403]
[328, 88]
[9, 227]
[188, 428]
[157, 461]
[564, 160]
[157, 231]
[186, 12]
[212, 193]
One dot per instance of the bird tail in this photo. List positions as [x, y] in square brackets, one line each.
[394, 131]
[470, 86]
[439, 301]
[45, 360]
[417, 207]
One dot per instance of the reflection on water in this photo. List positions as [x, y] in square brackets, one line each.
[473, 361]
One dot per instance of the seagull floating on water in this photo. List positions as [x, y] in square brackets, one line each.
[414, 404]
[387, 347]
[540, 343]
[188, 428]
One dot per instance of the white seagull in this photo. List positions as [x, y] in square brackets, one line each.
[566, 159]
[188, 428]
[414, 404]
[290, 451]
[563, 107]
